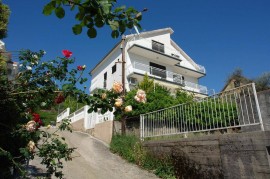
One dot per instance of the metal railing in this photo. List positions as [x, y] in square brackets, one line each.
[168, 76]
[234, 108]
[201, 68]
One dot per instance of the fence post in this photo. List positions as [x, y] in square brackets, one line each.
[142, 127]
[257, 106]
[85, 121]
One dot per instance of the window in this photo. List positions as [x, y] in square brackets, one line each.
[178, 78]
[157, 70]
[105, 81]
[157, 46]
[113, 69]
[9, 71]
[236, 83]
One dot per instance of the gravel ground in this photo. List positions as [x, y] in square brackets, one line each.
[92, 160]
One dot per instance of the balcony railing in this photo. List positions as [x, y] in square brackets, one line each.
[167, 76]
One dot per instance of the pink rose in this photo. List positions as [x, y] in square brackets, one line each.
[103, 96]
[31, 146]
[140, 96]
[128, 108]
[118, 102]
[31, 126]
[117, 87]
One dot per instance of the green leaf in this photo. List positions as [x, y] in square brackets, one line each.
[47, 10]
[77, 29]
[60, 12]
[122, 27]
[81, 10]
[79, 16]
[99, 22]
[92, 33]
[130, 10]
[130, 25]
[119, 9]
[67, 87]
[115, 34]
[114, 25]
[90, 110]
[106, 7]
[139, 26]
[90, 25]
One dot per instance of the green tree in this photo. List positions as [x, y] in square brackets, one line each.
[263, 82]
[4, 17]
[158, 97]
[93, 14]
[72, 103]
[238, 76]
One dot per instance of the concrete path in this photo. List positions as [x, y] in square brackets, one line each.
[93, 160]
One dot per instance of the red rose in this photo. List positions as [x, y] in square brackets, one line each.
[67, 53]
[59, 99]
[36, 118]
[80, 68]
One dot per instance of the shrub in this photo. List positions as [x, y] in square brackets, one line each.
[130, 148]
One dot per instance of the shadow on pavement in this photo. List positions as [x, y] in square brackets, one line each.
[37, 172]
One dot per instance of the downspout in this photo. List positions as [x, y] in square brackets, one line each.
[123, 44]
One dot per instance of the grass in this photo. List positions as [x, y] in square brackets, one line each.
[47, 116]
[130, 148]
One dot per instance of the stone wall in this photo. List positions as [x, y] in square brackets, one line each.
[78, 125]
[241, 155]
[103, 131]
[264, 102]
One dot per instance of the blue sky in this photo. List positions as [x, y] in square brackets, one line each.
[220, 35]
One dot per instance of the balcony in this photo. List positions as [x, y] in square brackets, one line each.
[165, 76]
[147, 50]
[160, 53]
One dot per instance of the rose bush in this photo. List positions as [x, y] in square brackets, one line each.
[36, 86]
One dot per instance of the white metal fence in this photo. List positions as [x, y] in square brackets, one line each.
[234, 108]
[64, 114]
[90, 119]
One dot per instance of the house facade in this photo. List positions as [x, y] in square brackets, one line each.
[153, 53]
[5, 59]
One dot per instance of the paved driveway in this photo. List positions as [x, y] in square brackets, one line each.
[93, 160]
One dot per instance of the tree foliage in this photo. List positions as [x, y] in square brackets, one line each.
[4, 17]
[238, 75]
[158, 97]
[262, 82]
[93, 14]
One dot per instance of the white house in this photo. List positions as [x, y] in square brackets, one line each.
[12, 67]
[154, 53]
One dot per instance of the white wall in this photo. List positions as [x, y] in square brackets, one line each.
[106, 66]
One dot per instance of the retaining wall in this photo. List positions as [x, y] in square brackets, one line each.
[242, 155]
[264, 102]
